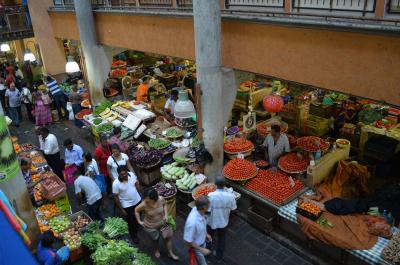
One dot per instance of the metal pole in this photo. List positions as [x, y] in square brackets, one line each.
[207, 28]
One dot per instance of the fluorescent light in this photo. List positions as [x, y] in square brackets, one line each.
[29, 56]
[72, 66]
[5, 47]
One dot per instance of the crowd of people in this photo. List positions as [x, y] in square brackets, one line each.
[109, 173]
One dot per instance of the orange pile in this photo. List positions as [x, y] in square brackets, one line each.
[310, 207]
[49, 210]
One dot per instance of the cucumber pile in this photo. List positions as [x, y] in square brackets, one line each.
[173, 172]
[188, 182]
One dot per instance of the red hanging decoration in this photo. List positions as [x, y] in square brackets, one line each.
[273, 103]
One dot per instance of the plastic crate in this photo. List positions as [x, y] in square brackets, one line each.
[261, 218]
[74, 216]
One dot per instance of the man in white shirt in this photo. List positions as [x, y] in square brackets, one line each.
[74, 155]
[49, 146]
[195, 233]
[125, 189]
[170, 104]
[86, 186]
[222, 203]
[276, 144]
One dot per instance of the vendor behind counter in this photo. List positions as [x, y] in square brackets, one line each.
[276, 144]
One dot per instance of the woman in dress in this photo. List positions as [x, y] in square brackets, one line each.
[154, 222]
[41, 108]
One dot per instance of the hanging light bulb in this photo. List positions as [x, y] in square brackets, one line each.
[72, 66]
[29, 56]
[5, 47]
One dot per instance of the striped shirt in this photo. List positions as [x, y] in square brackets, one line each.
[53, 87]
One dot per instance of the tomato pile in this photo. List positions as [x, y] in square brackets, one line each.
[204, 190]
[310, 143]
[310, 207]
[239, 169]
[80, 115]
[292, 163]
[237, 145]
[273, 186]
[261, 163]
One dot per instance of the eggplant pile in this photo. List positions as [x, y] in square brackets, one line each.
[165, 189]
[146, 158]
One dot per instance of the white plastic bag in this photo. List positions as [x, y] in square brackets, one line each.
[70, 111]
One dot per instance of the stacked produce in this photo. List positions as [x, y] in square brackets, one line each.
[238, 145]
[102, 107]
[391, 252]
[309, 210]
[261, 164]
[72, 239]
[115, 226]
[239, 169]
[48, 210]
[80, 222]
[293, 163]
[312, 143]
[93, 240]
[165, 190]
[173, 172]
[27, 147]
[59, 223]
[203, 190]
[37, 159]
[274, 186]
[159, 143]
[114, 253]
[173, 132]
[146, 158]
[188, 182]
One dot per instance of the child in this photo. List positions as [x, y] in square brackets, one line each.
[92, 170]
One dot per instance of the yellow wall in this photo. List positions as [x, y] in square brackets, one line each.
[361, 64]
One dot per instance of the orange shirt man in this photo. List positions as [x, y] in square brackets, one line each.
[142, 90]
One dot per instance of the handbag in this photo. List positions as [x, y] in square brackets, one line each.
[46, 99]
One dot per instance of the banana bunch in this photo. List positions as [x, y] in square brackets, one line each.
[109, 115]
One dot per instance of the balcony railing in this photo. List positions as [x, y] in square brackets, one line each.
[254, 3]
[394, 6]
[363, 6]
[14, 23]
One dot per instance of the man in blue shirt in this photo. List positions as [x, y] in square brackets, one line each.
[74, 155]
[58, 96]
[49, 256]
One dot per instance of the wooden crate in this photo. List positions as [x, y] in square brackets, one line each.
[261, 218]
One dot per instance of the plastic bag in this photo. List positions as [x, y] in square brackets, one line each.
[378, 226]
[192, 257]
[101, 182]
[71, 116]
[68, 174]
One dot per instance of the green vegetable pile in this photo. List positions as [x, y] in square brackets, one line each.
[369, 116]
[182, 160]
[97, 121]
[159, 143]
[173, 132]
[114, 253]
[142, 259]
[115, 226]
[102, 107]
[106, 127]
[93, 241]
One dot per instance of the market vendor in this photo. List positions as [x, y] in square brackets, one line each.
[276, 144]
[170, 104]
[74, 155]
[143, 88]
[51, 150]
[47, 255]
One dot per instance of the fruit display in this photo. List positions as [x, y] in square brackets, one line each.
[312, 143]
[293, 163]
[38, 160]
[391, 251]
[309, 210]
[115, 226]
[159, 143]
[173, 132]
[48, 210]
[35, 177]
[239, 169]
[238, 145]
[43, 227]
[146, 158]
[71, 238]
[17, 148]
[52, 187]
[80, 115]
[165, 190]
[274, 186]
[59, 223]
[203, 190]
[102, 107]
[188, 182]
[173, 172]
[81, 222]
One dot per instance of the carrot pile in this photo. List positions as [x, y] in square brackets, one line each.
[237, 145]
[204, 190]
[310, 207]
[312, 143]
[239, 169]
[273, 186]
[293, 163]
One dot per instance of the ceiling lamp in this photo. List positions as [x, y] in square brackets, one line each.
[29, 56]
[5, 47]
[72, 66]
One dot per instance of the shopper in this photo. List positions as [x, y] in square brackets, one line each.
[276, 144]
[222, 203]
[74, 155]
[41, 109]
[126, 189]
[13, 104]
[115, 160]
[195, 233]
[76, 101]
[154, 222]
[101, 155]
[142, 90]
[58, 97]
[27, 100]
[86, 187]
[170, 105]
[47, 255]
[3, 92]
[92, 170]
[51, 150]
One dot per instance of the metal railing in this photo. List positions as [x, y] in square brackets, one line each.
[254, 3]
[394, 6]
[363, 6]
[13, 18]
[185, 3]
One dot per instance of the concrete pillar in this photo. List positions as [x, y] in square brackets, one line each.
[207, 28]
[97, 60]
[17, 194]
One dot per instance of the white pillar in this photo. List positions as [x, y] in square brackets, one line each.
[207, 28]
[97, 61]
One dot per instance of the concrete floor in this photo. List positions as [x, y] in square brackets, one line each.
[245, 244]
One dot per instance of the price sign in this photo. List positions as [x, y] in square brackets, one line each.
[240, 156]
